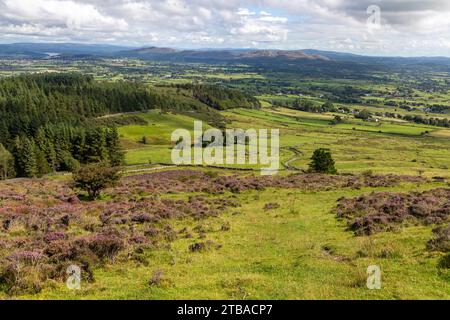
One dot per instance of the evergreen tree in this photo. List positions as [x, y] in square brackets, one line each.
[42, 166]
[56, 116]
[95, 150]
[322, 162]
[25, 157]
[45, 145]
[115, 154]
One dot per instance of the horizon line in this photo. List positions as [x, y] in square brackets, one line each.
[137, 47]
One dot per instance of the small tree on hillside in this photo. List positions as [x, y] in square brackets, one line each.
[337, 120]
[94, 178]
[322, 162]
[364, 115]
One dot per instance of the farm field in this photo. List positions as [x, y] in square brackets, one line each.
[158, 146]
[357, 146]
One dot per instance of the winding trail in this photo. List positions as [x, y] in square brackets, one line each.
[287, 165]
[161, 166]
[297, 155]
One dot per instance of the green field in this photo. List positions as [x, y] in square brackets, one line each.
[358, 146]
[158, 132]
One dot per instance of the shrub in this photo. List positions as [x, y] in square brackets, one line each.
[95, 177]
[384, 211]
[105, 245]
[20, 280]
[271, 206]
[363, 115]
[203, 246]
[444, 262]
[337, 120]
[322, 162]
[441, 240]
[54, 236]
[156, 279]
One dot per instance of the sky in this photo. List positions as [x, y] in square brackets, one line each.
[370, 27]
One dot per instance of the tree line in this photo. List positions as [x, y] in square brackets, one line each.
[60, 148]
[221, 98]
[47, 120]
[306, 105]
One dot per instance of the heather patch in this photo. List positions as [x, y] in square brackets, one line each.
[45, 228]
[441, 243]
[441, 240]
[383, 211]
[179, 181]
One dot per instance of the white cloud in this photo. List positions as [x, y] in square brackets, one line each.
[245, 12]
[76, 16]
[259, 28]
[408, 27]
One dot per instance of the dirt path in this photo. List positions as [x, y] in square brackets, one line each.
[297, 156]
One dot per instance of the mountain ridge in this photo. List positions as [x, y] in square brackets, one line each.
[74, 50]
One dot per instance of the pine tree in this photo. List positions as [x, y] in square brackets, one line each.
[25, 157]
[46, 146]
[322, 162]
[95, 150]
[115, 154]
[42, 165]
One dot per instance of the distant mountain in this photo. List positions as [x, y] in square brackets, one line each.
[341, 56]
[154, 50]
[290, 55]
[308, 61]
[178, 55]
[333, 55]
[42, 50]
[219, 55]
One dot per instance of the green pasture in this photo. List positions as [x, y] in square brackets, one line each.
[357, 146]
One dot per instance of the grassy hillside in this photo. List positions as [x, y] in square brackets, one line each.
[387, 147]
[157, 132]
[297, 251]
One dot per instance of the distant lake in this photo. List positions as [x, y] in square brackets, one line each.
[52, 54]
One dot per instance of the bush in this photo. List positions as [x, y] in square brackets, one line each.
[363, 115]
[271, 206]
[441, 240]
[336, 120]
[157, 279]
[444, 262]
[322, 162]
[19, 280]
[203, 246]
[105, 245]
[96, 177]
